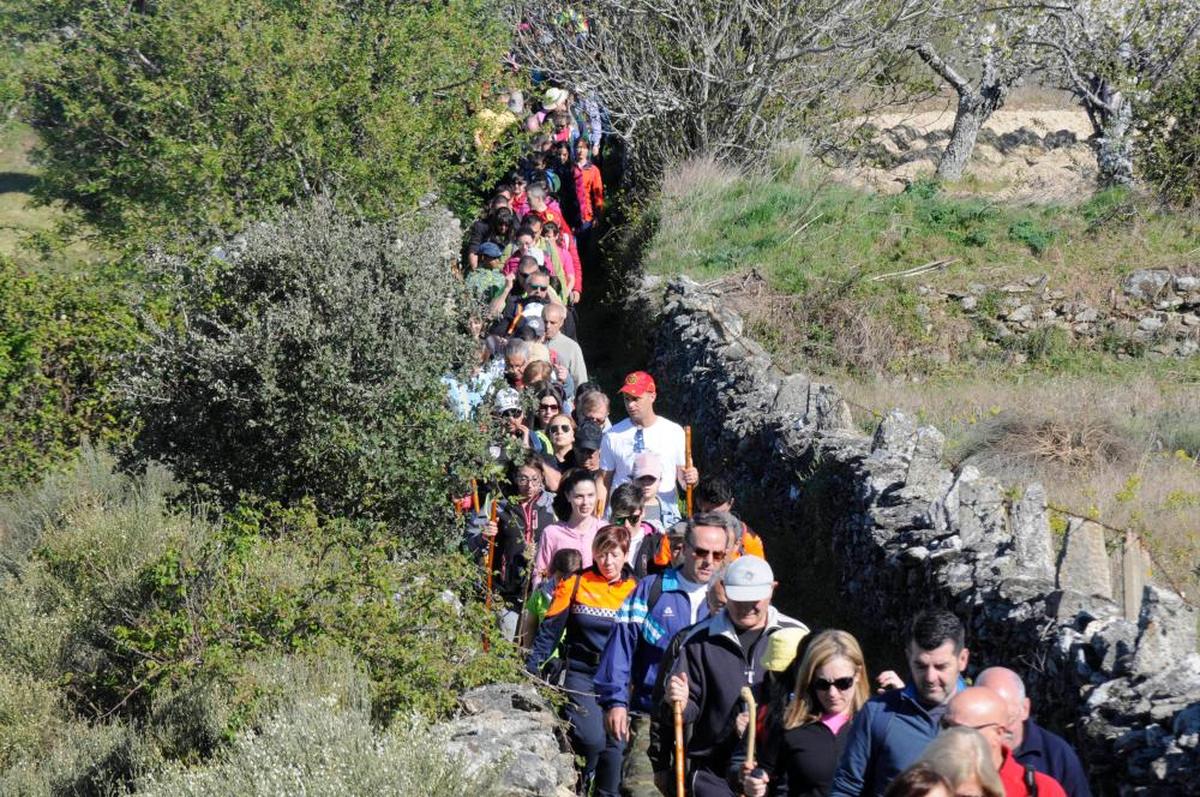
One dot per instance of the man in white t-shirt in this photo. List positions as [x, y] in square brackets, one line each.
[645, 431]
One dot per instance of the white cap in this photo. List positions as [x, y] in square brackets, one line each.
[749, 579]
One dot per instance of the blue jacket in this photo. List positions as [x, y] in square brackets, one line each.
[1050, 754]
[639, 638]
[887, 735]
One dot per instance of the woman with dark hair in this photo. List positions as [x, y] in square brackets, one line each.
[582, 614]
[502, 229]
[575, 505]
[803, 742]
[561, 431]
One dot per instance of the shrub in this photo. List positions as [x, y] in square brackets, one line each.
[194, 115]
[1168, 149]
[305, 363]
[61, 336]
[1037, 237]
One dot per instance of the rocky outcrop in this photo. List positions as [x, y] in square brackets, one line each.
[513, 730]
[906, 532]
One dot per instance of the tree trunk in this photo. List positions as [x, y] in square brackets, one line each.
[1114, 146]
[974, 109]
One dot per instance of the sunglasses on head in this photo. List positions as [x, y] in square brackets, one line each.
[824, 685]
[701, 553]
[560, 429]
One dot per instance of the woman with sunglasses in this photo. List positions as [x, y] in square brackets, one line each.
[806, 732]
[561, 431]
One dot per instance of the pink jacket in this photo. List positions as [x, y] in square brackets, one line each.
[557, 536]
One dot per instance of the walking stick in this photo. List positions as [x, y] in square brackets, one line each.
[687, 450]
[677, 707]
[516, 319]
[491, 556]
[748, 696]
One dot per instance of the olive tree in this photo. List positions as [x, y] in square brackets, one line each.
[1114, 54]
[304, 361]
[993, 50]
[732, 79]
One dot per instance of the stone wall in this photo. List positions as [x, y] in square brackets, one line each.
[903, 532]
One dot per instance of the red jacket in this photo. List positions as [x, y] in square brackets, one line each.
[589, 190]
[1012, 775]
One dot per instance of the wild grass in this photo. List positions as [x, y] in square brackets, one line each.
[1112, 437]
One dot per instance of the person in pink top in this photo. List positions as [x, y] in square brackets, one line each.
[805, 734]
[567, 255]
[578, 492]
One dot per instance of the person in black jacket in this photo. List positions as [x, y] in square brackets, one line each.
[799, 750]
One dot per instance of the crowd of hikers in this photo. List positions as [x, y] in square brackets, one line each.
[629, 581]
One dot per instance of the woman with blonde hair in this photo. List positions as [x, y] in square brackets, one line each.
[805, 739]
[962, 756]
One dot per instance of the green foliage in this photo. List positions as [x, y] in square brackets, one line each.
[1036, 236]
[130, 614]
[196, 115]
[1168, 147]
[304, 362]
[61, 336]
[324, 744]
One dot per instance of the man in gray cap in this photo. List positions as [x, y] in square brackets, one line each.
[720, 656]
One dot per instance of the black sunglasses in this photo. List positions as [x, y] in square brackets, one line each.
[557, 429]
[538, 287]
[843, 684]
[547, 406]
[511, 413]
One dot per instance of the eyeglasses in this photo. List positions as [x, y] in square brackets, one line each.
[528, 479]
[546, 407]
[949, 723]
[511, 413]
[560, 429]
[701, 553]
[842, 684]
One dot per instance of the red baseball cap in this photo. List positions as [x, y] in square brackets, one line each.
[638, 383]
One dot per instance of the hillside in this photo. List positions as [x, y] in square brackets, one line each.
[1025, 330]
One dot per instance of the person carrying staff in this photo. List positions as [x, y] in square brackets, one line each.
[719, 657]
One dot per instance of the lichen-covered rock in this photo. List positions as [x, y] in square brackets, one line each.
[513, 728]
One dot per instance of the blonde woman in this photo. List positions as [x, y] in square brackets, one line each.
[962, 756]
[803, 742]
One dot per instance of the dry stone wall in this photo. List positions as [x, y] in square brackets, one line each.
[907, 532]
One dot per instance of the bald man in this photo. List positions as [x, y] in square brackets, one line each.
[983, 710]
[1033, 745]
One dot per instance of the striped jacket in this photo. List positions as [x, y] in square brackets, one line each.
[588, 618]
[642, 633]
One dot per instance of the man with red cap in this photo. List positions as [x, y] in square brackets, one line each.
[644, 431]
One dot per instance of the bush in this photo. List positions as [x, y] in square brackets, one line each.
[305, 363]
[1168, 149]
[320, 745]
[194, 115]
[61, 337]
[130, 614]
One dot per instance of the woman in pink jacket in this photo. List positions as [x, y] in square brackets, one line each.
[576, 500]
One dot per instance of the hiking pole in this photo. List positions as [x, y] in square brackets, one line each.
[687, 450]
[493, 515]
[516, 320]
[748, 696]
[677, 708]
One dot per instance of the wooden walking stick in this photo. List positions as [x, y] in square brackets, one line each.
[516, 319]
[748, 696]
[687, 451]
[680, 762]
[491, 555]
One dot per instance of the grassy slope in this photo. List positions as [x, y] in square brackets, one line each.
[1112, 436]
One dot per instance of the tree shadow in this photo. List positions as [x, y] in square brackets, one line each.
[17, 182]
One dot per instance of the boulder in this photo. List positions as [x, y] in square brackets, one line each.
[1166, 631]
[1146, 284]
[1083, 565]
[513, 728]
[1031, 534]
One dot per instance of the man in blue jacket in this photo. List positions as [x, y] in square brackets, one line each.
[1033, 745]
[892, 729]
[660, 607]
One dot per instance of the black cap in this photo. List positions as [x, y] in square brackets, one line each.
[588, 436]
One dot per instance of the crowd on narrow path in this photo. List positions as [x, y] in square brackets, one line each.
[631, 583]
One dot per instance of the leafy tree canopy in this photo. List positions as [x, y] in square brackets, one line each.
[193, 115]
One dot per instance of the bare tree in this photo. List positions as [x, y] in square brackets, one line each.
[1114, 54]
[727, 77]
[994, 47]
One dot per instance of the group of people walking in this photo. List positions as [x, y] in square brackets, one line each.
[632, 585]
